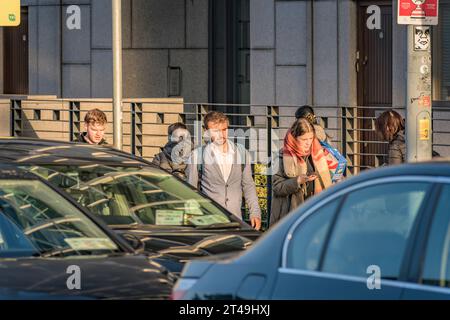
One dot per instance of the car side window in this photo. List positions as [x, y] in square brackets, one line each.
[436, 269]
[373, 228]
[306, 244]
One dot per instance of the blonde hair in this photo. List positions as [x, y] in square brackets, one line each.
[95, 116]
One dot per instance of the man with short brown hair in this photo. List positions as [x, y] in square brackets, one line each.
[215, 117]
[95, 125]
[222, 170]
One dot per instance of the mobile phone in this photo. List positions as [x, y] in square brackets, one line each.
[313, 173]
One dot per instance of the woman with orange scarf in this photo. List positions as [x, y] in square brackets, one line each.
[303, 170]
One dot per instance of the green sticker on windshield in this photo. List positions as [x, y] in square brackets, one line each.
[169, 218]
[207, 220]
[192, 207]
[90, 244]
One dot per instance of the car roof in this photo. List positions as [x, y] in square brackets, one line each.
[274, 239]
[38, 151]
[429, 168]
[30, 151]
[11, 171]
[433, 168]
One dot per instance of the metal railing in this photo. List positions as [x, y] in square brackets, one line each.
[351, 129]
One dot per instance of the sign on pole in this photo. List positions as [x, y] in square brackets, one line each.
[418, 12]
[419, 15]
[9, 13]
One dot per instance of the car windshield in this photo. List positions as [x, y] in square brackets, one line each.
[133, 195]
[37, 221]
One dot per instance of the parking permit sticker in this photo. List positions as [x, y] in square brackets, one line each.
[192, 207]
[424, 129]
[169, 217]
[208, 219]
[90, 244]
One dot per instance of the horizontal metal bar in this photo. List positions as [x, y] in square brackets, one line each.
[367, 154]
[440, 145]
[368, 141]
[358, 166]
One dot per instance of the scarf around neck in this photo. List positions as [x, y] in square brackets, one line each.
[292, 148]
[295, 165]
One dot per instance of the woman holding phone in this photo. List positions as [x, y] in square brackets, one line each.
[303, 170]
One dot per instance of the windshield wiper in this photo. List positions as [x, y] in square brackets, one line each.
[227, 225]
[133, 225]
[53, 252]
[50, 223]
[64, 251]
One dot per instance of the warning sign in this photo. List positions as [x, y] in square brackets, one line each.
[418, 12]
[424, 129]
[9, 13]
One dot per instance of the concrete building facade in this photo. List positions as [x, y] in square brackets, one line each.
[262, 52]
[157, 36]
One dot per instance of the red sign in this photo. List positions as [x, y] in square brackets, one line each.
[418, 12]
[425, 102]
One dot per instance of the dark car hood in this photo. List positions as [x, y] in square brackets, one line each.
[210, 241]
[184, 235]
[175, 247]
[102, 277]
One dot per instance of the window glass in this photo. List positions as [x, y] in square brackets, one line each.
[373, 228]
[129, 195]
[436, 270]
[307, 241]
[35, 220]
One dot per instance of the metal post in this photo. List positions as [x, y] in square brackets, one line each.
[344, 134]
[418, 95]
[71, 121]
[270, 164]
[117, 72]
[133, 128]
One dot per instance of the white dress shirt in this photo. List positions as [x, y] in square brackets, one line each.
[224, 160]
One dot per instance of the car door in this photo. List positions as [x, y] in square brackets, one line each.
[354, 246]
[434, 273]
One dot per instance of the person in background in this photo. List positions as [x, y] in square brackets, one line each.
[174, 154]
[307, 112]
[303, 170]
[390, 127]
[95, 123]
[222, 170]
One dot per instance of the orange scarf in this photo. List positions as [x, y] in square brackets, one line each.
[294, 164]
[292, 148]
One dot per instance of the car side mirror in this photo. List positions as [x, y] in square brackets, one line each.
[134, 241]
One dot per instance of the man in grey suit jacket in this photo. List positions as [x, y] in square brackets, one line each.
[225, 170]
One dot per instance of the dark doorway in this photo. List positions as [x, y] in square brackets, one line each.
[15, 64]
[229, 54]
[374, 66]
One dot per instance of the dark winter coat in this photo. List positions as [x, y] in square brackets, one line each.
[288, 194]
[397, 149]
[82, 139]
[165, 162]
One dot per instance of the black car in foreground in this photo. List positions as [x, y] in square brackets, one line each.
[51, 248]
[172, 219]
[384, 234]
